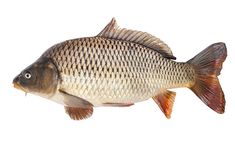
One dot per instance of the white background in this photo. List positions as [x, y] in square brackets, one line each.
[33, 126]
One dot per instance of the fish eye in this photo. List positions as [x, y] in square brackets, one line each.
[27, 75]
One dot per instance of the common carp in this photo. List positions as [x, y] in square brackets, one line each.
[120, 67]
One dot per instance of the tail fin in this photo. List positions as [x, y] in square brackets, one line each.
[207, 65]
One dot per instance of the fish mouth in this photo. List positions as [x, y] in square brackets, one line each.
[18, 86]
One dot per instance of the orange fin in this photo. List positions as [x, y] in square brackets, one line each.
[118, 104]
[207, 66]
[79, 113]
[165, 101]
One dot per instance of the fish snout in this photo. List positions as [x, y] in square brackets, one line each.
[16, 79]
[16, 82]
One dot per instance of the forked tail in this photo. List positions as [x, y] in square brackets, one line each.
[207, 65]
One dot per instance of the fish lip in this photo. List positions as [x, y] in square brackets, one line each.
[18, 86]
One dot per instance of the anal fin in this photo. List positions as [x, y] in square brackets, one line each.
[79, 113]
[165, 101]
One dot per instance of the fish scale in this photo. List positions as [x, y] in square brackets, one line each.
[120, 67]
[124, 72]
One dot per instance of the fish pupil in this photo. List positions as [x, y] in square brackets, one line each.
[27, 75]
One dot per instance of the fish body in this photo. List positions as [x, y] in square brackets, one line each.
[120, 67]
[103, 70]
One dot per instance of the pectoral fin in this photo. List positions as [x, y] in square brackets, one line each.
[79, 113]
[165, 101]
[74, 101]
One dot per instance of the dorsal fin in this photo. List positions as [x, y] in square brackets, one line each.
[113, 31]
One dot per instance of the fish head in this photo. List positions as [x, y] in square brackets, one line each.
[40, 78]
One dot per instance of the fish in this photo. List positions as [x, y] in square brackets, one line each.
[118, 68]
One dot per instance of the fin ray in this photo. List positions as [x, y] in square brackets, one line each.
[113, 31]
[165, 101]
[207, 65]
[79, 113]
[74, 101]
